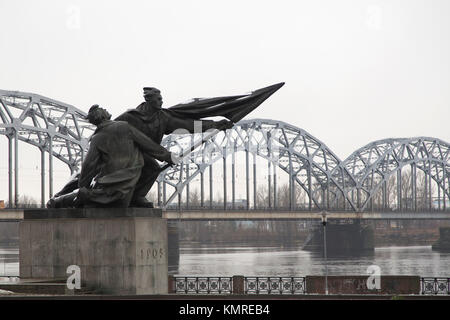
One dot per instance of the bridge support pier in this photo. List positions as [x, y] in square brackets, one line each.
[342, 238]
[443, 244]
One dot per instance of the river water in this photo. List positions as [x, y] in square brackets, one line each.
[9, 261]
[269, 261]
[272, 261]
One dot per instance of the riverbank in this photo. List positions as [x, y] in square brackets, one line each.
[241, 298]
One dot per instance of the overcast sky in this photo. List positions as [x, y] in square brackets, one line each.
[355, 71]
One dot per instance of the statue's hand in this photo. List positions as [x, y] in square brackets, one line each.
[224, 124]
[172, 159]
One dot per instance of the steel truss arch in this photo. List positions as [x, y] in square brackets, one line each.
[56, 128]
[61, 131]
[374, 164]
[308, 162]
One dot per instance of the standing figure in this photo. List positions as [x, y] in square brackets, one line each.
[155, 122]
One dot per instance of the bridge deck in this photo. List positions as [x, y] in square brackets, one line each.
[299, 215]
[17, 215]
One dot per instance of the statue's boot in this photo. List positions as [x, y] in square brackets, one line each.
[149, 174]
[65, 201]
[141, 202]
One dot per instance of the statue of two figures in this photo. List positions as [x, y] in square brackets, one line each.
[120, 166]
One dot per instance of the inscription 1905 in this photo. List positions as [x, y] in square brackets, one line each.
[151, 254]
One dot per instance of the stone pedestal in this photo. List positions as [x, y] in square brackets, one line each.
[119, 251]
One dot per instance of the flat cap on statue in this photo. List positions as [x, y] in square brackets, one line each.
[92, 108]
[151, 89]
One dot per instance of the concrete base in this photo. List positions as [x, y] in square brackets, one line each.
[119, 251]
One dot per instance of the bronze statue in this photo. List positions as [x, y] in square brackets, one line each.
[112, 175]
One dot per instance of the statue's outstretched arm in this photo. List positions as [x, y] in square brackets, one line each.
[149, 146]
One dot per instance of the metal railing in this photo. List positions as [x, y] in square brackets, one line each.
[435, 286]
[297, 208]
[204, 285]
[239, 285]
[275, 285]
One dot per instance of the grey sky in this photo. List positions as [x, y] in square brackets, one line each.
[355, 71]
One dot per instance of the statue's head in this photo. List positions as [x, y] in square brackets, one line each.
[153, 97]
[97, 115]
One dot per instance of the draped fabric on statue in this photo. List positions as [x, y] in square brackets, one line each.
[233, 108]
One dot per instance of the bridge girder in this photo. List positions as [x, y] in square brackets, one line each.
[375, 164]
[308, 162]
